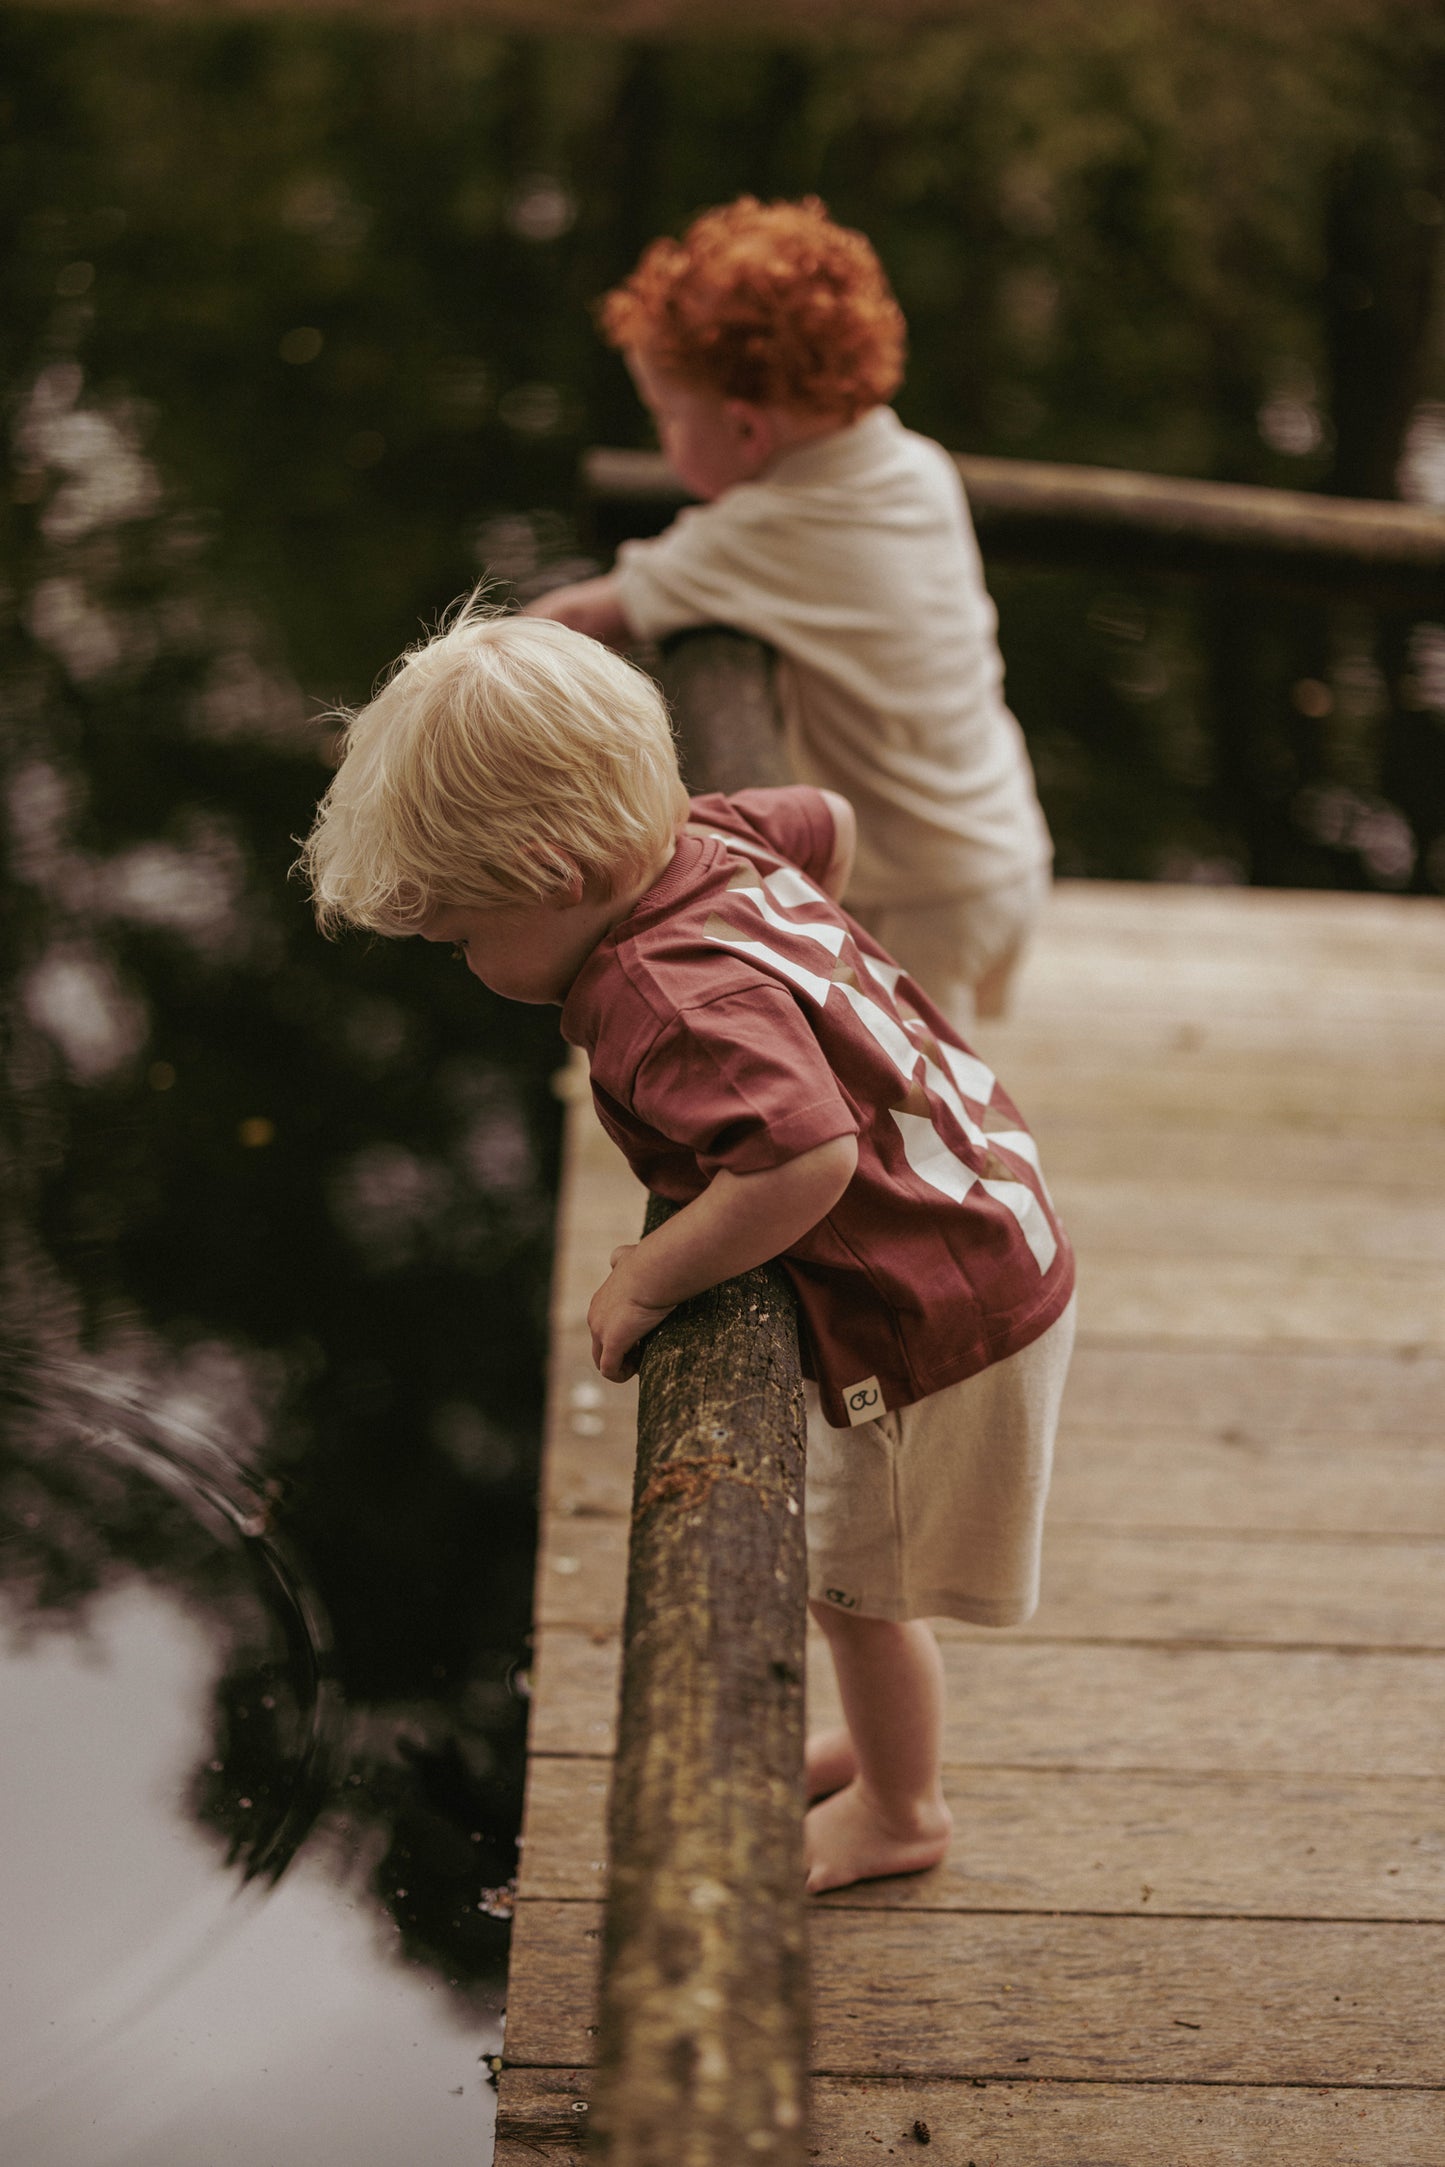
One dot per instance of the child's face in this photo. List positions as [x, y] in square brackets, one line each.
[711, 442]
[524, 951]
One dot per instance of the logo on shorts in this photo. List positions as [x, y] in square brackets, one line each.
[863, 1401]
[843, 1600]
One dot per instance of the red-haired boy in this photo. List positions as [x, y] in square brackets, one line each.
[766, 343]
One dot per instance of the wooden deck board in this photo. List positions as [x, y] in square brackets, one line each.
[1062, 1704]
[1205, 1787]
[1083, 1840]
[1161, 1584]
[1167, 1217]
[1218, 2000]
[1321, 1483]
[981, 2123]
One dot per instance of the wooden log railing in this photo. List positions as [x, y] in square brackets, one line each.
[703, 2024]
[1029, 512]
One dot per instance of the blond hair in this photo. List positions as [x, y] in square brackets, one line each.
[504, 758]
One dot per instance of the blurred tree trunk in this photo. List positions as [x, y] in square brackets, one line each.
[1385, 218]
[1383, 227]
[1384, 221]
[620, 187]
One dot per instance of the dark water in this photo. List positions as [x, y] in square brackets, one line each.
[275, 1243]
[295, 346]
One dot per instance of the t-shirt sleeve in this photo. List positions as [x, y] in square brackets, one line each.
[743, 1083]
[793, 821]
[709, 567]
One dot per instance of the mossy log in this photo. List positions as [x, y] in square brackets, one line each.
[703, 2032]
[703, 2025]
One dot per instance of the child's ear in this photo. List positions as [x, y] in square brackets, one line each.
[572, 890]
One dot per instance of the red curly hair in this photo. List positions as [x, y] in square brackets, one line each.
[769, 302]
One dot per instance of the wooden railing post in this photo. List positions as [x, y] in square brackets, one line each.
[703, 2025]
[719, 685]
[1030, 512]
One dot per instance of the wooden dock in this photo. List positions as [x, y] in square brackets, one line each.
[1195, 1913]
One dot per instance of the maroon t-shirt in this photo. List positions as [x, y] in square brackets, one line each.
[735, 1019]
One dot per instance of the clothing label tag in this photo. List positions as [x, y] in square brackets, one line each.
[863, 1401]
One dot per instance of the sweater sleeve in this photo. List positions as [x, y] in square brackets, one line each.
[699, 571]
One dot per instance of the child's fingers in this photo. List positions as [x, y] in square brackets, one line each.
[616, 1364]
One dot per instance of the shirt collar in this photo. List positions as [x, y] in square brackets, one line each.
[830, 458]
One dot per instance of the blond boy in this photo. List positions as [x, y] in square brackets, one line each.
[514, 791]
[766, 344]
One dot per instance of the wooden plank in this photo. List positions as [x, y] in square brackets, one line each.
[1150, 2000]
[1243, 930]
[582, 1573]
[860, 2122]
[1200, 1425]
[1087, 1841]
[1077, 987]
[1255, 1392]
[1014, 2124]
[1362, 1161]
[564, 1836]
[1058, 1072]
[591, 1434]
[1204, 980]
[1317, 1438]
[614, 1214]
[1324, 1482]
[1387, 1022]
[1239, 1482]
[1165, 1586]
[1228, 1846]
[589, 1478]
[1266, 1300]
[1148, 1584]
[574, 1679]
[1036, 1704]
[1117, 1215]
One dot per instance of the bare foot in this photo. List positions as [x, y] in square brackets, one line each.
[828, 1763]
[846, 1838]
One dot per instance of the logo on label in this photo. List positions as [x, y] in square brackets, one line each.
[863, 1401]
[844, 1601]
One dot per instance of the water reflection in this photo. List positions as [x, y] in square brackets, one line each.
[111, 1482]
[162, 2015]
[273, 1246]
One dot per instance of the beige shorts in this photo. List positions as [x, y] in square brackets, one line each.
[962, 945]
[936, 1510]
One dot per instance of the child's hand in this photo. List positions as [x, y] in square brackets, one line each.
[618, 1317]
[588, 605]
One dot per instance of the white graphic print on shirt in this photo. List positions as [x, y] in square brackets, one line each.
[963, 1079]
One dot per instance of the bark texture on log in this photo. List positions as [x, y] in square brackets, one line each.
[1027, 511]
[703, 2029]
[719, 685]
